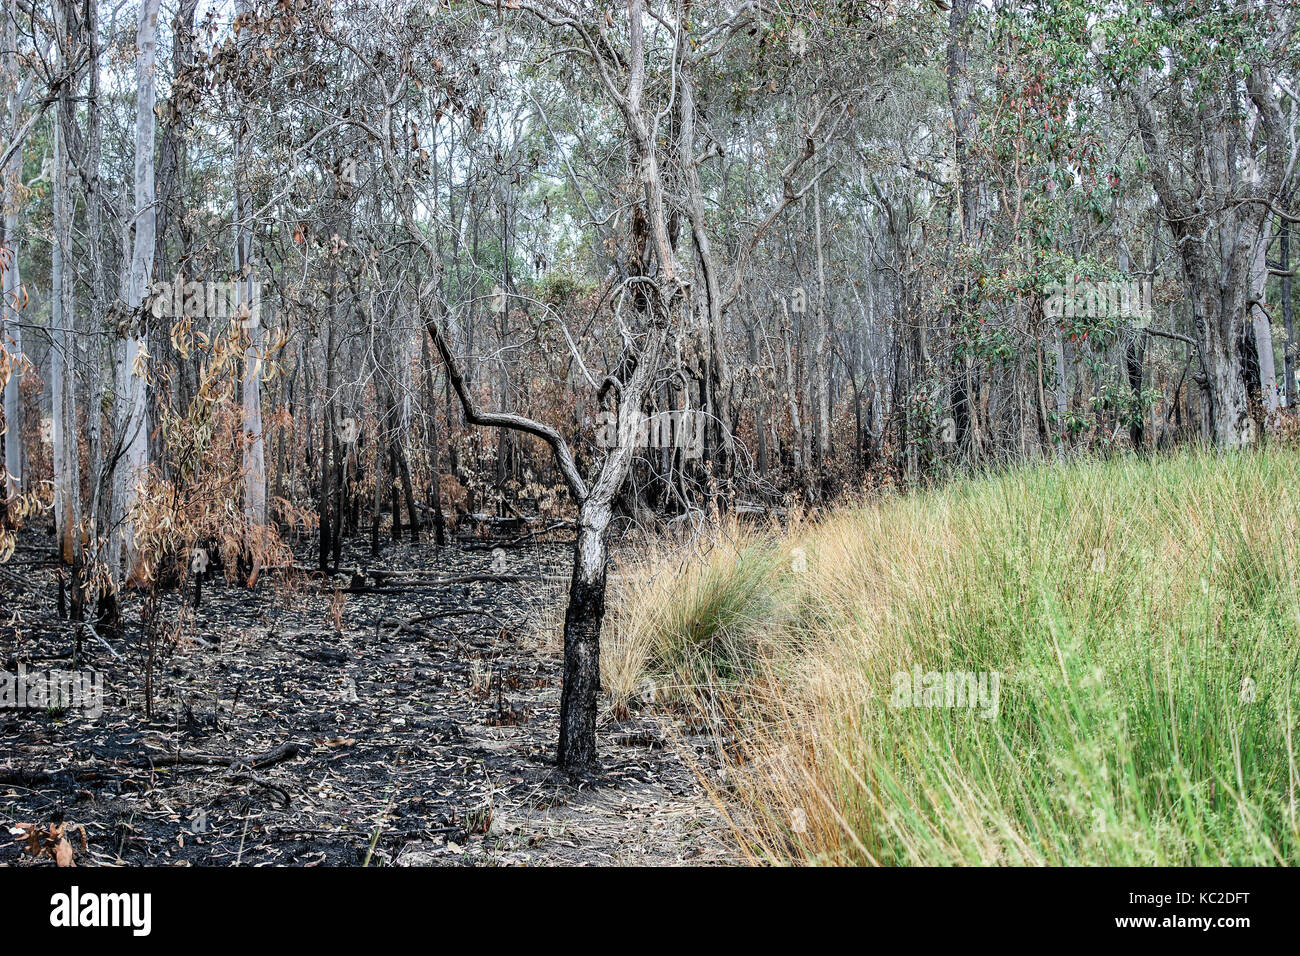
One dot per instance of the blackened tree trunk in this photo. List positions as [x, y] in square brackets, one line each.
[439, 520]
[329, 426]
[402, 473]
[582, 626]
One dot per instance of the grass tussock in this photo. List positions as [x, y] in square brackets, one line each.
[1139, 622]
[690, 626]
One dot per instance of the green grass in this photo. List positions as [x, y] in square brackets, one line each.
[1144, 621]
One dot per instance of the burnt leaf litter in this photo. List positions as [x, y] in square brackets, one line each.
[419, 732]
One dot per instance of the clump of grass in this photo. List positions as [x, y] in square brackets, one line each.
[1142, 618]
[700, 620]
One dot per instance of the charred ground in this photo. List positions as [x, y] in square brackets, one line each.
[424, 726]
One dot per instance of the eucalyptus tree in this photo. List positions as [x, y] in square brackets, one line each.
[17, 93]
[63, 355]
[638, 59]
[131, 424]
[1202, 80]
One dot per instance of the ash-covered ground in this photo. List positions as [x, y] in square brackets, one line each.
[420, 732]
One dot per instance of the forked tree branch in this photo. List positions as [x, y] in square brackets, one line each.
[477, 416]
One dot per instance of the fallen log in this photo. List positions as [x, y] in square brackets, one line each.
[285, 751]
[408, 625]
[36, 779]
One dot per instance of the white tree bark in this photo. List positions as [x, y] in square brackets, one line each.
[132, 418]
[11, 334]
[1263, 330]
[254, 458]
[67, 496]
[822, 329]
[254, 453]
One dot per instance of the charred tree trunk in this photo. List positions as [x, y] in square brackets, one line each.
[327, 442]
[1134, 355]
[439, 521]
[582, 626]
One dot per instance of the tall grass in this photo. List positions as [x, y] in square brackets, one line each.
[1142, 618]
[696, 625]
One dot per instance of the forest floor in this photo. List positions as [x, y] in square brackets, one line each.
[424, 727]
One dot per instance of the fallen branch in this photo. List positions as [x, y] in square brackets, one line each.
[95, 635]
[417, 585]
[402, 626]
[261, 782]
[285, 751]
[62, 780]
